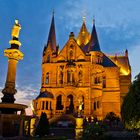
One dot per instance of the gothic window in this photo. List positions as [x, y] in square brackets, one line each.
[46, 105]
[68, 76]
[98, 104]
[61, 78]
[104, 82]
[50, 105]
[47, 78]
[59, 105]
[96, 80]
[70, 106]
[80, 75]
[72, 76]
[43, 103]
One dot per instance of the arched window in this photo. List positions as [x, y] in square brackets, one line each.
[47, 78]
[59, 105]
[95, 80]
[73, 80]
[46, 105]
[61, 78]
[80, 75]
[68, 76]
[43, 103]
[98, 104]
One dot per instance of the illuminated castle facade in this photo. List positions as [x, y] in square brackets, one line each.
[81, 78]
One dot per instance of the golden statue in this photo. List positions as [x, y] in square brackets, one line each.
[16, 29]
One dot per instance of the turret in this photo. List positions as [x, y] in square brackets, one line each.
[51, 46]
[94, 47]
[83, 36]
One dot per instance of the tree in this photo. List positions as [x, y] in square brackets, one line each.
[111, 116]
[130, 110]
[42, 128]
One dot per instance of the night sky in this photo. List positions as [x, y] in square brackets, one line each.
[117, 24]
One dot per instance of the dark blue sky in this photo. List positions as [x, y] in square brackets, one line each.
[117, 23]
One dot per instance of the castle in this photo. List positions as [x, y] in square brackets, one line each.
[81, 78]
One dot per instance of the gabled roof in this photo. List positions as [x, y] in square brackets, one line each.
[123, 63]
[108, 62]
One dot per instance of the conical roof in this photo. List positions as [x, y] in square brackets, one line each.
[52, 36]
[83, 36]
[94, 43]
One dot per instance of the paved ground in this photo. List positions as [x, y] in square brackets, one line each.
[121, 135]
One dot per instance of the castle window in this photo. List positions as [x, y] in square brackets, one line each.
[43, 105]
[96, 80]
[98, 105]
[50, 105]
[80, 75]
[73, 77]
[61, 78]
[59, 105]
[104, 82]
[47, 78]
[68, 76]
[46, 105]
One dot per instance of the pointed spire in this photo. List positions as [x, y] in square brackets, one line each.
[83, 36]
[94, 43]
[126, 53]
[52, 35]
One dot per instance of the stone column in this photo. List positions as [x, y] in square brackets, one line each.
[14, 55]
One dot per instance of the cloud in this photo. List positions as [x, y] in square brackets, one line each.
[24, 95]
